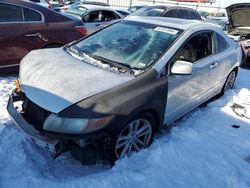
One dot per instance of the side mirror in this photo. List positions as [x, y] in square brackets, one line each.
[182, 67]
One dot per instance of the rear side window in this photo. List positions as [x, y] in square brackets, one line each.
[108, 15]
[171, 13]
[221, 43]
[10, 13]
[184, 14]
[189, 14]
[30, 15]
[194, 15]
[94, 16]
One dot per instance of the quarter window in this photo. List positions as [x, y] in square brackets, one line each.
[10, 13]
[30, 15]
[221, 43]
[196, 48]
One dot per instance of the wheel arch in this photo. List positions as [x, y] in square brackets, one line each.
[155, 115]
[236, 69]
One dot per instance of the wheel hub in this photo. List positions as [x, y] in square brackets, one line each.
[134, 137]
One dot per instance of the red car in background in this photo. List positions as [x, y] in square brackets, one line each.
[25, 26]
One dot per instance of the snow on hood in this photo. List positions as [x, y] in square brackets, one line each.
[239, 14]
[54, 80]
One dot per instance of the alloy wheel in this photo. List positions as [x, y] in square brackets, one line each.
[135, 136]
[230, 81]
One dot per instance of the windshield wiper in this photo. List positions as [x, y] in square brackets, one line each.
[77, 52]
[114, 63]
[119, 65]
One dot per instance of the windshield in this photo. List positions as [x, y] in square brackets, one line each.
[77, 10]
[148, 11]
[136, 45]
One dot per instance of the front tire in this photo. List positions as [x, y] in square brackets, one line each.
[133, 137]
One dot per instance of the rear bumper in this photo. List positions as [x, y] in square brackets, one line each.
[29, 131]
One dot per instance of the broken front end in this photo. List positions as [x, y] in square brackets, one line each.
[31, 119]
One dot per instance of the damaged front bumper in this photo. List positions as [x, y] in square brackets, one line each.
[84, 152]
[50, 144]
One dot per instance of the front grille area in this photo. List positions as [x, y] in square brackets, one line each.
[34, 114]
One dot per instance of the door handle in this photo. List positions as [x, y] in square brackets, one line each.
[213, 65]
[33, 35]
[97, 25]
[37, 35]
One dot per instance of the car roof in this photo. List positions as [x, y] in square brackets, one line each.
[182, 24]
[95, 7]
[120, 9]
[169, 6]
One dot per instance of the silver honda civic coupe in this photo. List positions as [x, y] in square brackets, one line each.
[106, 95]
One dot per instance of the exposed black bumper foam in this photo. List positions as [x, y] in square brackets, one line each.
[28, 130]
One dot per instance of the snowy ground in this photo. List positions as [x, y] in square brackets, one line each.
[202, 150]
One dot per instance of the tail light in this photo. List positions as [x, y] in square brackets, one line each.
[82, 30]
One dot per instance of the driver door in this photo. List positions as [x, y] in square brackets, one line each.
[185, 92]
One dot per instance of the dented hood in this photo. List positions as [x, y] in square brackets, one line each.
[54, 80]
[238, 15]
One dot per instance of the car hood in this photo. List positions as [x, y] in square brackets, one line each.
[54, 80]
[238, 15]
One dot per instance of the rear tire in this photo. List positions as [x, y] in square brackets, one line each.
[229, 81]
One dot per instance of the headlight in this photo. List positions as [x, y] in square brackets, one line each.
[74, 126]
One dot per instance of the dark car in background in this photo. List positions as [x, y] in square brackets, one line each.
[239, 26]
[168, 11]
[26, 26]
